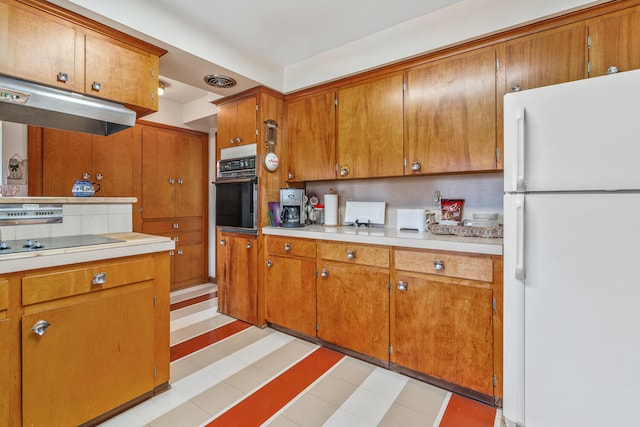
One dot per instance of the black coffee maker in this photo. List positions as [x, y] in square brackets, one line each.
[292, 212]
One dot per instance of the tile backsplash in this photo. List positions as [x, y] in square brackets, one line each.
[99, 218]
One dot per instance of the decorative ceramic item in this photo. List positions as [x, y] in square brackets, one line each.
[84, 188]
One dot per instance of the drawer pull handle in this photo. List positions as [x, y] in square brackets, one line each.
[351, 254]
[97, 86]
[40, 327]
[99, 278]
[402, 285]
[269, 263]
[249, 245]
[63, 77]
[223, 242]
[180, 252]
[324, 273]
[176, 226]
[287, 247]
[172, 181]
[438, 265]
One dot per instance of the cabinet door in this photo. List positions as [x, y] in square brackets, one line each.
[61, 385]
[451, 114]
[158, 177]
[615, 41]
[66, 156]
[291, 293]
[546, 58]
[113, 160]
[311, 135]
[237, 123]
[353, 308]
[4, 371]
[444, 330]
[370, 128]
[39, 47]
[188, 265]
[124, 73]
[237, 288]
[189, 157]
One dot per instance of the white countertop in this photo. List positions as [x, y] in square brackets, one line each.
[67, 200]
[392, 237]
[132, 244]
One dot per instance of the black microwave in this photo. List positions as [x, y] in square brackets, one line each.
[236, 204]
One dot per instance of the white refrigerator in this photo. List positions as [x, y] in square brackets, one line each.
[572, 254]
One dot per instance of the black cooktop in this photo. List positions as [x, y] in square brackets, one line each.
[42, 244]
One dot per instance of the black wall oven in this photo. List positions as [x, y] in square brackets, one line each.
[236, 195]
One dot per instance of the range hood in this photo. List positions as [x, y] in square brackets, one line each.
[30, 103]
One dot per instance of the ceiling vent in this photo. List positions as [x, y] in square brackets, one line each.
[218, 80]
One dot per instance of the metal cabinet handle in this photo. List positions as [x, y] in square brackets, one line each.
[438, 264]
[232, 141]
[515, 88]
[287, 247]
[172, 181]
[63, 77]
[402, 285]
[324, 272]
[172, 253]
[180, 181]
[175, 238]
[179, 251]
[223, 242]
[99, 278]
[249, 245]
[351, 254]
[176, 226]
[416, 166]
[612, 70]
[99, 176]
[40, 327]
[238, 140]
[344, 171]
[96, 86]
[86, 175]
[291, 175]
[269, 263]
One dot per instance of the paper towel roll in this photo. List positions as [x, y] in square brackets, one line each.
[331, 209]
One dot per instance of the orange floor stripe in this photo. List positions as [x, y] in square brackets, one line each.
[258, 407]
[191, 301]
[462, 411]
[201, 341]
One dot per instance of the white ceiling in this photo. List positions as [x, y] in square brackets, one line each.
[291, 44]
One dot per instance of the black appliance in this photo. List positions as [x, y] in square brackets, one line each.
[237, 195]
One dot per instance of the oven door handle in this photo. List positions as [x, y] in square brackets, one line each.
[235, 181]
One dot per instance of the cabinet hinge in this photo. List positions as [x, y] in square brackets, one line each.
[155, 373]
[335, 101]
[154, 300]
[256, 107]
[390, 287]
[497, 64]
[317, 326]
[588, 42]
[404, 86]
[494, 304]
[256, 132]
[390, 349]
[589, 68]
[495, 381]
[497, 154]
[316, 274]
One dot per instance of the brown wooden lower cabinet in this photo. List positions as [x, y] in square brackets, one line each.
[433, 314]
[291, 284]
[236, 271]
[92, 337]
[4, 353]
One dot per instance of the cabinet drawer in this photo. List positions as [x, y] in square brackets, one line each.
[4, 294]
[355, 254]
[172, 225]
[59, 283]
[291, 247]
[445, 264]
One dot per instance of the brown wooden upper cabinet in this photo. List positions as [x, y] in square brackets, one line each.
[42, 47]
[69, 156]
[614, 42]
[451, 114]
[237, 123]
[311, 135]
[370, 128]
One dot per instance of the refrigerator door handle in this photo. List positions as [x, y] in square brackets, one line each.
[520, 124]
[520, 267]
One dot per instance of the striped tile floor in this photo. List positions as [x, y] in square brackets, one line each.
[225, 372]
